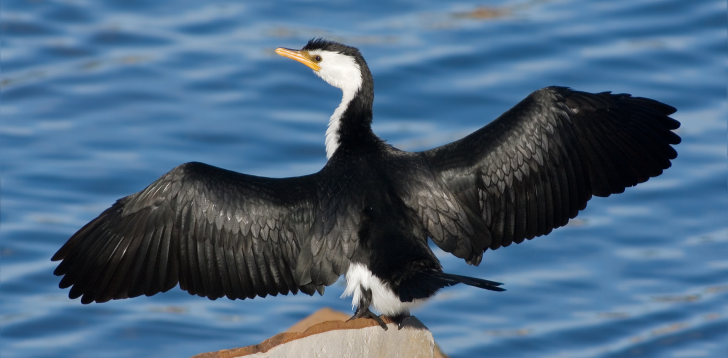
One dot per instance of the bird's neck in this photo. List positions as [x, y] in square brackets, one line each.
[352, 120]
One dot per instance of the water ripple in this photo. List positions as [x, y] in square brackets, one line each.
[101, 98]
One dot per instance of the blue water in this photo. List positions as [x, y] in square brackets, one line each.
[99, 98]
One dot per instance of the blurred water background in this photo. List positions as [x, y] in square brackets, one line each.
[99, 98]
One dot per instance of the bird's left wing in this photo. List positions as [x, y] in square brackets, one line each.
[533, 168]
[216, 232]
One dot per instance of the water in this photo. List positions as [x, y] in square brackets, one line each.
[101, 98]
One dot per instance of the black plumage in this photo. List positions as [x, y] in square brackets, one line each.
[220, 233]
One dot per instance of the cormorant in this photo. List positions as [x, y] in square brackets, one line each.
[369, 212]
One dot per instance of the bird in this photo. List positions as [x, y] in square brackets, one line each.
[369, 212]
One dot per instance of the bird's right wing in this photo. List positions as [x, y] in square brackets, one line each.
[216, 232]
[533, 168]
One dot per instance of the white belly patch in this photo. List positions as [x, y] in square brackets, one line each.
[383, 299]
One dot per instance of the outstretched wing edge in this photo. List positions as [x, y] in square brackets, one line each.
[215, 232]
[536, 166]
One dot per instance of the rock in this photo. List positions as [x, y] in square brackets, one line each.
[326, 334]
[323, 315]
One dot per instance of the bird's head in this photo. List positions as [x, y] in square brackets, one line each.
[339, 65]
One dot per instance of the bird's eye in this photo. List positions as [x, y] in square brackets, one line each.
[317, 58]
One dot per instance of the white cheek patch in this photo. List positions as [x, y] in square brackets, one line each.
[343, 72]
[340, 71]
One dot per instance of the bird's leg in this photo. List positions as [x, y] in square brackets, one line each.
[399, 319]
[362, 310]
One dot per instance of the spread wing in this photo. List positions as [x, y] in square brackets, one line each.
[216, 232]
[537, 165]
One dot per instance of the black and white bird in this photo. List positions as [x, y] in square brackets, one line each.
[369, 212]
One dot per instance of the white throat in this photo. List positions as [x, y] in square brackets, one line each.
[343, 72]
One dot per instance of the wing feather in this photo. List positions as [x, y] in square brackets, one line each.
[215, 232]
[538, 164]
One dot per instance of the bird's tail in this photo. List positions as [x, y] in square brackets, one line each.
[472, 281]
[425, 284]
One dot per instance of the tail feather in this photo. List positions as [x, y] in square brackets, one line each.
[477, 282]
[427, 283]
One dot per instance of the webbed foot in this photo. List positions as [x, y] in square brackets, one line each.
[366, 313]
[399, 319]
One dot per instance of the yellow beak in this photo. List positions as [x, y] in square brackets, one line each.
[298, 56]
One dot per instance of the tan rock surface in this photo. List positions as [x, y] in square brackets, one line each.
[326, 334]
[323, 315]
